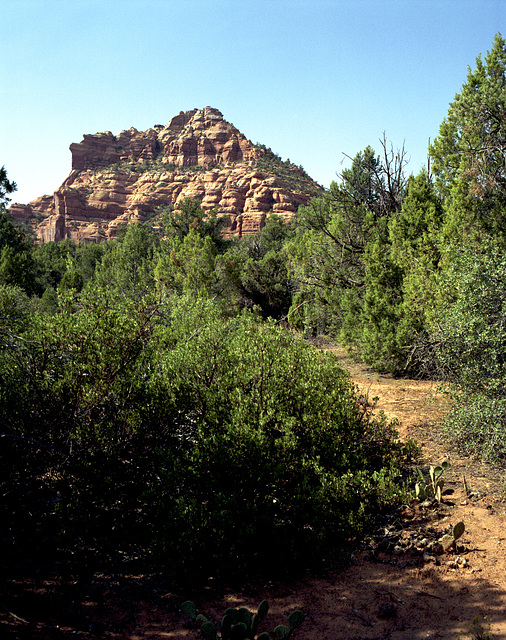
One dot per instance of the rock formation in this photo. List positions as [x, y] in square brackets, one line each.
[132, 176]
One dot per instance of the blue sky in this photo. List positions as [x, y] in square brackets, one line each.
[312, 79]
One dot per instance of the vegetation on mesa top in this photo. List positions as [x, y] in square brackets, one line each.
[294, 175]
[269, 162]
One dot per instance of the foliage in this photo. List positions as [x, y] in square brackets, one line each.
[67, 261]
[477, 425]
[127, 263]
[72, 402]
[53, 259]
[400, 262]
[414, 250]
[252, 273]
[377, 261]
[6, 187]
[293, 176]
[223, 446]
[177, 223]
[478, 631]
[266, 283]
[465, 324]
[14, 312]
[338, 256]
[469, 339]
[448, 540]
[17, 265]
[263, 278]
[470, 327]
[468, 154]
[283, 462]
[189, 267]
[382, 304]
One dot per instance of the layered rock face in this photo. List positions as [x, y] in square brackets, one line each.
[132, 176]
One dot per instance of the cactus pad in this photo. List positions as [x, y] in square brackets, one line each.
[458, 530]
[208, 631]
[281, 632]
[263, 609]
[295, 619]
[189, 609]
[447, 541]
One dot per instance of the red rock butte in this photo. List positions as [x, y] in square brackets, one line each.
[136, 174]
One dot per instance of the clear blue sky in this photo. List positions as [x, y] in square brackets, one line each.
[312, 79]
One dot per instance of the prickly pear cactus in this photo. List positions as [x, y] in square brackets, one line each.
[241, 624]
[295, 619]
[281, 632]
[448, 541]
[259, 616]
[458, 530]
[209, 631]
[189, 609]
[434, 488]
[420, 492]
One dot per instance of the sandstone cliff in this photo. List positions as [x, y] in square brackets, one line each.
[134, 175]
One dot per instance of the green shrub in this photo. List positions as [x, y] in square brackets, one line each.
[477, 425]
[278, 462]
[72, 406]
[226, 447]
[470, 339]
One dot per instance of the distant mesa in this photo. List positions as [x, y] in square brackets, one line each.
[134, 175]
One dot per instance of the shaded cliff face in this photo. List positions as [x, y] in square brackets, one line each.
[132, 176]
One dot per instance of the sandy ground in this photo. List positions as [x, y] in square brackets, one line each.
[394, 589]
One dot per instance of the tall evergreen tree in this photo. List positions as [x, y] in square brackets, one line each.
[17, 266]
[6, 187]
[127, 262]
[468, 155]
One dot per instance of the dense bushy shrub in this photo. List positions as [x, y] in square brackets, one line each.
[279, 461]
[470, 327]
[72, 404]
[470, 346]
[223, 445]
[477, 425]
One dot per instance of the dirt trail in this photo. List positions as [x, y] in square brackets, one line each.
[390, 591]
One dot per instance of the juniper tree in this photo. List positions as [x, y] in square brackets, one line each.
[468, 156]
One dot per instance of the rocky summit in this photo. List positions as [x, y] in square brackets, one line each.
[135, 175]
